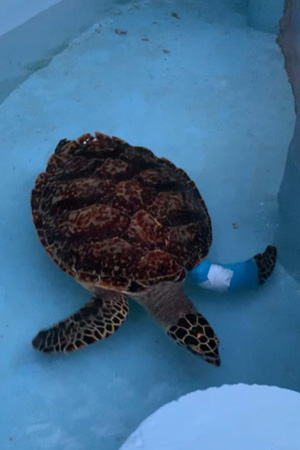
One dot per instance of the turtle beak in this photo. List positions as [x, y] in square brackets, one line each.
[214, 360]
[211, 357]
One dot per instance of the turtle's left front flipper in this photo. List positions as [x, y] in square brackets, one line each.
[265, 263]
[97, 320]
[243, 275]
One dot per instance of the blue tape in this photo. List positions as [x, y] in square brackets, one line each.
[199, 273]
[245, 274]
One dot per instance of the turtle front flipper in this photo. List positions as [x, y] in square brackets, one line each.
[242, 275]
[97, 320]
[265, 263]
[195, 333]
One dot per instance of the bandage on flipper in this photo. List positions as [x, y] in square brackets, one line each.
[223, 277]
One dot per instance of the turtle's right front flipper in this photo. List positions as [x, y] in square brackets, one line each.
[243, 275]
[97, 320]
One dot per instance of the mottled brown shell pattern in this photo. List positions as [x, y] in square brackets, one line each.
[116, 216]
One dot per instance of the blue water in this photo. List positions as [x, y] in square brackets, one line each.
[209, 93]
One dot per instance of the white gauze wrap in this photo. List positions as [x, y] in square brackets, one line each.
[218, 278]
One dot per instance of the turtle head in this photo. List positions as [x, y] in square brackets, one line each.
[169, 305]
[195, 333]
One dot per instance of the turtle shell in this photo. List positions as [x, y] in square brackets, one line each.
[116, 216]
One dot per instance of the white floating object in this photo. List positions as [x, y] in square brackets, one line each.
[238, 417]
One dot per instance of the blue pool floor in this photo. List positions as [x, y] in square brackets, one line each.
[209, 93]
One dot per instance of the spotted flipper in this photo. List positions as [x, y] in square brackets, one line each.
[194, 332]
[97, 320]
[265, 263]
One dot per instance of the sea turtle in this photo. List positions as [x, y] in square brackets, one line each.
[122, 221]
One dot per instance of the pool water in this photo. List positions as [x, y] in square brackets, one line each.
[192, 82]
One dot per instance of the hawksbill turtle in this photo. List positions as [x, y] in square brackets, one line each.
[124, 222]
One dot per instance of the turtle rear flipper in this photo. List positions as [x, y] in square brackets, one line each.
[265, 263]
[97, 320]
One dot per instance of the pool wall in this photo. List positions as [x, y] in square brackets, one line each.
[288, 236]
[34, 36]
[264, 15]
[16, 12]
[32, 33]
